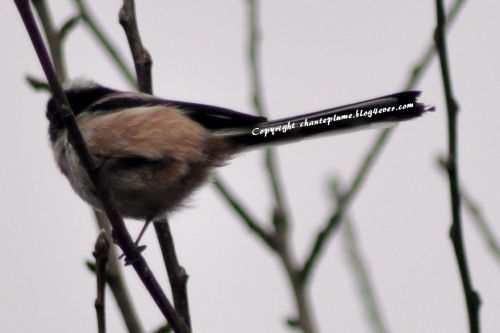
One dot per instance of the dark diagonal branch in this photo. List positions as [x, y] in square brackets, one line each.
[114, 275]
[101, 252]
[120, 233]
[176, 273]
[105, 42]
[471, 296]
[368, 161]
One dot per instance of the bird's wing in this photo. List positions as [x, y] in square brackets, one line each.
[152, 133]
[210, 117]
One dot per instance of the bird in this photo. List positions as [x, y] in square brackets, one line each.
[152, 153]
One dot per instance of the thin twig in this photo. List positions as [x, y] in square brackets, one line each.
[142, 59]
[143, 63]
[359, 267]
[258, 104]
[363, 278]
[280, 239]
[120, 233]
[176, 273]
[368, 161]
[471, 296]
[116, 282]
[37, 84]
[477, 216]
[253, 57]
[105, 42]
[53, 38]
[244, 214]
[423, 64]
[67, 27]
[101, 258]
[482, 224]
[304, 318]
[344, 202]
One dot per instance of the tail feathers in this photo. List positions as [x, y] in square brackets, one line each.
[371, 113]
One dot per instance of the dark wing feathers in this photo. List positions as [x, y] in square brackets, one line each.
[214, 117]
[211, 117]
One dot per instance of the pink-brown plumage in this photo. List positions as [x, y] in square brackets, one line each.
[181, 153]
[154, 132]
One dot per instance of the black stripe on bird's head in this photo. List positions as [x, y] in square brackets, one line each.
[81, 95]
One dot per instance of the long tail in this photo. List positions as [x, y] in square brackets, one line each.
[371, 113]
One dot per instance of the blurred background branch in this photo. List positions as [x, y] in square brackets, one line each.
[53, 36]
[477, 216]
[362, 277]
[359, 268]
[90, 22]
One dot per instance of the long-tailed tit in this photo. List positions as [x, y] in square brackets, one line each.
[153, 153]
